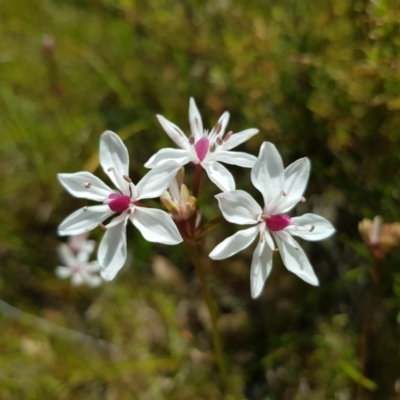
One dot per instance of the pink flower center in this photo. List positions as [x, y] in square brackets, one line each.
[118, 202]
[278, 222]
[201, 148]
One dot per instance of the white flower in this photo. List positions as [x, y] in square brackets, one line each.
[282, 189]
[155, 225]
[206, 149]
[77, 267]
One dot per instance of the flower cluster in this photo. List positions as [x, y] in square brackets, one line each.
[281, 189]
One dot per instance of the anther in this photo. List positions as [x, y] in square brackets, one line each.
[213, 147]
[312, 228]
[275, 250]
[101, 226]
[219, 141]
[191, 139]
[303, 199]
[129, 211]
[87, 185]
[127, 178]
[217, 127]
[85, 208]
[283, 193]
[227, 136]
[110, 169]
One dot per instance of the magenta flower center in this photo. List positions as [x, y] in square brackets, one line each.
[278, 222]
[201, 148]
[118, 202]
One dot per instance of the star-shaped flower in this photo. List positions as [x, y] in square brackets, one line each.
[282, 189]
[155, 225]
[206, 148]
[77, 265]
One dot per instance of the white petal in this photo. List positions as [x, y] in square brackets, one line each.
[196, 123]
[86, 249]
[77, 279]
[63, 272]
[267, 174]
[182, 157]
[112, 250]
[174, 132]
[84, 219]
[239, 138]
[296, 261]
[233, 244]
[91, 280]
[296, 178]
[156, 225]
[238, 207]
[85, 185]
[114, 159]
[261, 266]
[235, 158]
[92, 266]
[219, 175]
[156, 181]
[222, 122]
[311, 227]
[66, 255]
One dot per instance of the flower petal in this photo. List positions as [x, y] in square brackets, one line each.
[180, 156]
[296, 261]
[174, 132]
[91, 280]
[219, 127]
[84, 219]
[85, 185]
[261, 266]
[112, 250]
[233, 244]
[114, 159]
[156, 181]
[66, 255]
[156, 225]
[235, 158]
[77, 279]
[86, 249]
[239, 138]
[219, 175]
[311, 227]
[63, 272]
[238, 207]
[92, 266]
[296, 178]
[267, 174]
[196, 123]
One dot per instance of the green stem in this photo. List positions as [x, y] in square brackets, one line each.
[196, 260]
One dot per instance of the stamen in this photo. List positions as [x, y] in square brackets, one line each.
[87, 185]
[312, 228]
[283, 193]
[110, 169]
[213, 147]
[217, 127]
[129, 211]
[303, 199]
[227, 136]
[276, 250]
[219, 141]
[85, 208]
[127, 178]
[103, 227]
[191, 139]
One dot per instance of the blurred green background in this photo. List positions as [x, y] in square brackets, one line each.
[318, 78]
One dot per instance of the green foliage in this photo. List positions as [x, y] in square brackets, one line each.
[320, 79]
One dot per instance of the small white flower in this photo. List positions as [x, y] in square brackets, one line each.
[77, 267]
[155, 225]
[206, 149]
[282, 189]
